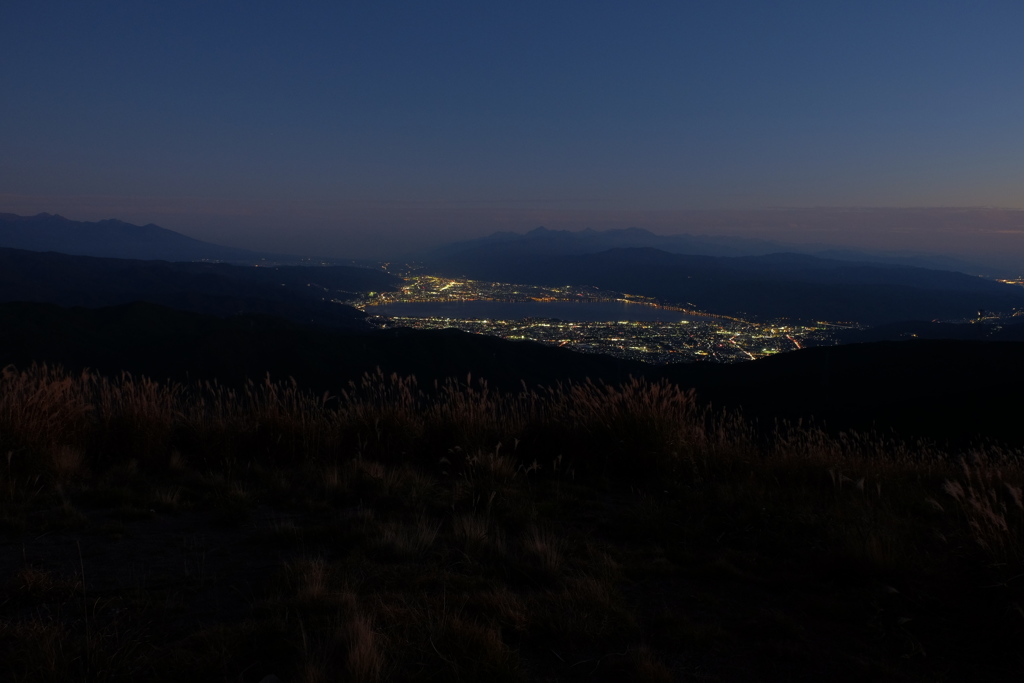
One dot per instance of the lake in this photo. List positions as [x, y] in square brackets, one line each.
[582, 311]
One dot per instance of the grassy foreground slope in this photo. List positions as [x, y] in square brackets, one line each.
[158, 531]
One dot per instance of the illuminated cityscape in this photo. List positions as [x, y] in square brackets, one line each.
[691, 335]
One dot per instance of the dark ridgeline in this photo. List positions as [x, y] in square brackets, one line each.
[543, 242]
[298, 293]
[164, 343]
[792, 286]
[959, 390]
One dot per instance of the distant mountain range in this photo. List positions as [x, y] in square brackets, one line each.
[727, 281]
[795, 286]
[50, 259]
[302, 294]
[116, 239]
[544, 242]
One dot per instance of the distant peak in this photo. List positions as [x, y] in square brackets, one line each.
[547, 232]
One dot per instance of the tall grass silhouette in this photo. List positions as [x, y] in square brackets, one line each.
[55, 422]
[480, 495]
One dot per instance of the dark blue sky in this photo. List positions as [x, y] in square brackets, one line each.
[341, 127]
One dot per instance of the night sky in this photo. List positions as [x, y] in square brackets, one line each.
[347, 128]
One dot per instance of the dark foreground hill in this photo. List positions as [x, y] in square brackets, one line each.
[162, 343]
[772, 286]
[297, 293]
[958, 390]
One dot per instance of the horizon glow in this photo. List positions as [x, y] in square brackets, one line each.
[344, 130]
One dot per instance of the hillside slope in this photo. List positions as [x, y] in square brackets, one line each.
[961, 391]
[297, 293]
[773, 286]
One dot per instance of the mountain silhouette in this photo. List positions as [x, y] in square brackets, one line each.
[795, 286]
[115, 239]
[544, 242]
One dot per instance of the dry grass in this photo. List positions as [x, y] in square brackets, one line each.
[55, 426]
[993, 508]
[312, 577]
[544, 550]
[65, 634]
[404, 541]
[66, 462]
[456, 533]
